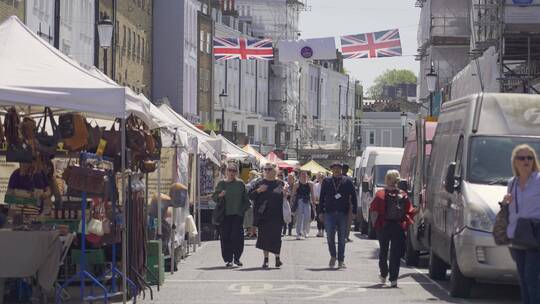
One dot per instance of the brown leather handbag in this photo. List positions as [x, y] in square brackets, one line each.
[147, 166]
[114, 145]
[94, 136]
[85, 179]
[78, 141]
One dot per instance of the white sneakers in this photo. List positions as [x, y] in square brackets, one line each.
[382, 279]
[393, 283]
[332, 262]
[341, 265]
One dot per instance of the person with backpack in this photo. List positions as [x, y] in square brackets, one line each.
[392, 212]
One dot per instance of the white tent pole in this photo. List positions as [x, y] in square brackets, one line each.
[124, 204]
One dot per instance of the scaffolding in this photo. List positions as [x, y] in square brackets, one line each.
[514, 31]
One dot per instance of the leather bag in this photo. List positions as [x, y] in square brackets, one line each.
[78, 141]
[84, 179]
[112, 137]
[147, 166]
[500, 235]
[218, 214]
[19, 153]
[66, 126]
[94, 136]
[46, 144]
[11, 127]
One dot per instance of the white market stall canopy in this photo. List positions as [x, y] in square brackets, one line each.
[32, 72]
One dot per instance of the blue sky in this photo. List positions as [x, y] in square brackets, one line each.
[341, 17]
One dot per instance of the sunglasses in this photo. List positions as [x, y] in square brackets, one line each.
[232, 170]
[268, 169]
[522, 158]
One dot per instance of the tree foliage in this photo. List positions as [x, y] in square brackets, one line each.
[389, 78]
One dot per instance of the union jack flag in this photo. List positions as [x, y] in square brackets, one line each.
[371, 45]
[243, 48]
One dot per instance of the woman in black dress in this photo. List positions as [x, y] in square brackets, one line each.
[268, 196]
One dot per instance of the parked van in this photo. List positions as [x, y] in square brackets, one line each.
[378, 162]
[468, 173]
[413, 170]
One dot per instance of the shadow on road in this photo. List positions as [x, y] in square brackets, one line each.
[213, 268]
[322, 269]
[255, 269]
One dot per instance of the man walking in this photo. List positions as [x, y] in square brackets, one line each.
[336, 200]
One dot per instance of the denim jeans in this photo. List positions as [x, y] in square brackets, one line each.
[303, 217]
[528, 266]
[336, 221]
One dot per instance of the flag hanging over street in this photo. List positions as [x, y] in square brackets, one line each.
[308, 49]
[371, 45]
[243, 48]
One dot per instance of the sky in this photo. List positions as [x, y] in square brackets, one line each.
[327, 18]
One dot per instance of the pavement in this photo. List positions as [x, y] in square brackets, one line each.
[306, 278]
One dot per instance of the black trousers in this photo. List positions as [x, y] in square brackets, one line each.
[232, 238]
[391, 238]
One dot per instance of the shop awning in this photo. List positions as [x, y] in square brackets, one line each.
[272, 157]
[314, 167]
[34, 73]
[260, 158]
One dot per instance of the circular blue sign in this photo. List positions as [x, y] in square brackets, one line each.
[306, 52]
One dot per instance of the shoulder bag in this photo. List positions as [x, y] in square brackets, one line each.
[527, 233]
[218, 214]
[47, 143]
[287, 213]
[500, 235]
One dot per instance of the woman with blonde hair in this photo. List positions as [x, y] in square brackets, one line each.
[523, 199]
[392, 212]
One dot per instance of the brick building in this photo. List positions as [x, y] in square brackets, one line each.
[131, 53]
[205, 28]
[11, 7]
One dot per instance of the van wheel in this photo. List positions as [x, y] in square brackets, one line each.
[460, 285]
[437, 267]
[371, 231]
[412, 256]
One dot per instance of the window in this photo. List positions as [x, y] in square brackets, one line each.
[142, 48]
[251, 133]
[371, 137]
[129, 42]
[201, 41]
[124, 38]
[209, 43]
[138, 46]
[264, 135]
[134, 45]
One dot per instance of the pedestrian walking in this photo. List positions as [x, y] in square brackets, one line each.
[392, 212]
[232, 192]
[289, 180]
[335, 202]
[254, 176]
[344, 172]
[303, 198]
[317, 193]
[523, 199]
[268, 195]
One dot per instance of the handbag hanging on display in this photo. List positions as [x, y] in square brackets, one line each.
[79, 138]
[46, 144]
[112, 137]
[94, 136]
[85, 179]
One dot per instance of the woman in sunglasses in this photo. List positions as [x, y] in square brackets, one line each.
[268, 195]
[523, 197]
[232, 192]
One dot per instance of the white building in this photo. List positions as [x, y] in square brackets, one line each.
[278, 20]
[245, 82]
[175, 55]
[76, 26]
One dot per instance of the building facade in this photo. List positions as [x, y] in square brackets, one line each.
[77, 30]
[241, 90]
[12, 8]
[129, 61]
[385, 129]
[205, 64]
[175, 55]
[40, 18]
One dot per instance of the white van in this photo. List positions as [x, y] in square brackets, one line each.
[378, 162]
[468, 173]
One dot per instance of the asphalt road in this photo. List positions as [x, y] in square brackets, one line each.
[305, 278]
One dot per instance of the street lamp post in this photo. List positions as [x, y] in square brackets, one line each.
[222, 125]
[403, 124]
[105, 32]
[431, 79]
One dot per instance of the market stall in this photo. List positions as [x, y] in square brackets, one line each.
[314, 167]
[40, 83]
